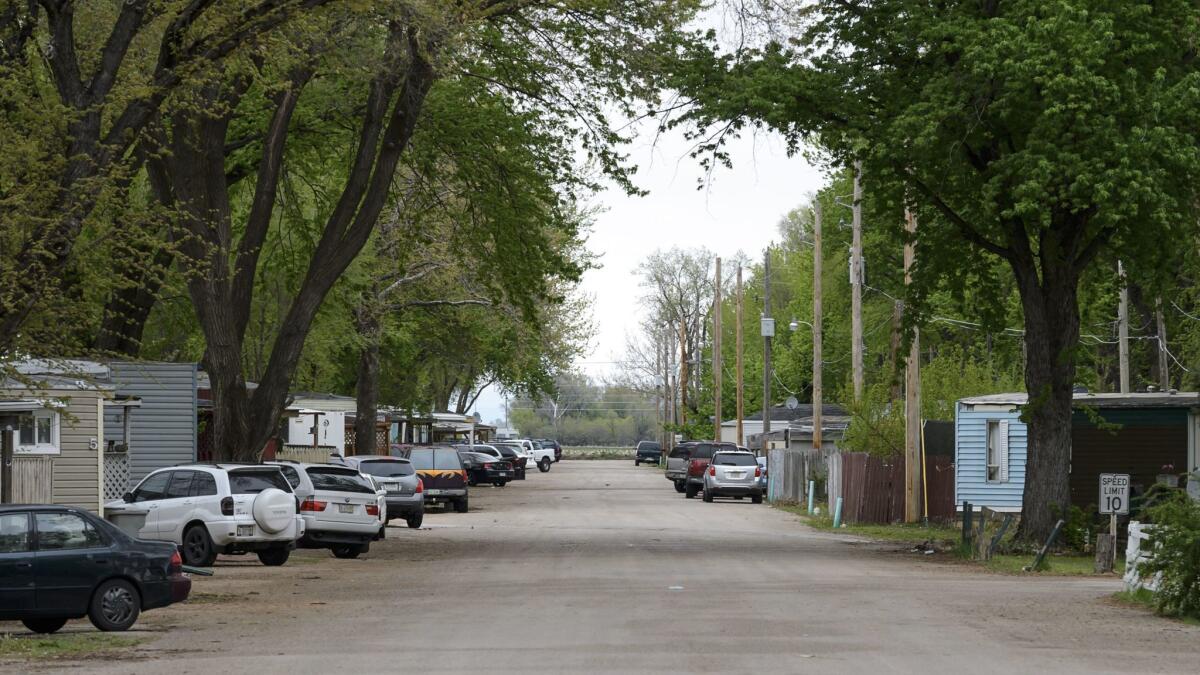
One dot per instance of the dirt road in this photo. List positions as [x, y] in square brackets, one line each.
[601, 566]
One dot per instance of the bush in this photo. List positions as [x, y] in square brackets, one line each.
[1174, 549]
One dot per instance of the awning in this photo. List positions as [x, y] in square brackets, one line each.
[23, 405]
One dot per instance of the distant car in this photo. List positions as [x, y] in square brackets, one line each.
[342, 509]
[647, 451]
[59, 563]
[539, 455]
[698, 464]
[216, 508]
[677, 464]
[732, 473]
[549, 443]
[404, 491]
[443, 475]
[513, 452]
[484, 468]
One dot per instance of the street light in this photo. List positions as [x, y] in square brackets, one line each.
[795, 324]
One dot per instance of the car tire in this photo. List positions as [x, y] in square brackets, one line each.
[274, 557]
[637, 462]
[460, 505]
[115, 605]
[472, 482]
[757, 499]
[708, 496]
[738, 497]
[347, 551]
[690, 491]
[197, 548]
[679, 486]
[414, 521]
[544, 464]
[500, 483]
[44, 626]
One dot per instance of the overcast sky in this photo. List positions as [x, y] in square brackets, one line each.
[737, 210]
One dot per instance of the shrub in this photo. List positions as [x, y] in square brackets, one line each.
[1174, 549]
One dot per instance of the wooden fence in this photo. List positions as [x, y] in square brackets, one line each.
[33, 480]
[305, 453]
[789, 472]
[872, 488]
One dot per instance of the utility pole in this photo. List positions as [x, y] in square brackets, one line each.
[6, 465]
[716, 341]
[683, 372]
[1164, 366]
[818, 263]
[856, 278]
[1123, 329]
[738, 318]
[912, 394]
[768, 332]
[660, 390]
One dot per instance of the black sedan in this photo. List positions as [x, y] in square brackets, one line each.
[482, 468]
[59, 563]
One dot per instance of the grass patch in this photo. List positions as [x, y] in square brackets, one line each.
[1144, 599]
[212, 598]
[916, 533]
[64, 645]
[597, 453]
[1054, 565]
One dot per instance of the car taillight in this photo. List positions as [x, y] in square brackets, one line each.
[176, 564]
[311, 504]
[758, 472]
[464, 474]
[712, 470]
[227, 506]
[372, 509]
[487, 465]
[420, 486]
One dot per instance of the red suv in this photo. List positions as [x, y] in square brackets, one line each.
[698, 464]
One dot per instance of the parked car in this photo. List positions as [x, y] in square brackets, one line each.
[59, 563]
[216, 508]
[677, 464]
[733, 473]
[443, 475]
[342, 509]
[485, 468]
[404, 491]
[698, 464]
[514, 452]
[539, 455]
[762, 479]
[549, 443]
[647, 451]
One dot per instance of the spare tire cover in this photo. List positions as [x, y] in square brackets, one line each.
[274, 510]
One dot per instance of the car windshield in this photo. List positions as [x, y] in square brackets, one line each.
[704, 451]
[339, 480]
[386, 468]
[731, 459]
[649, 445]
[446, 460]
[421, 458]
[680, 452]
[254, 481]
[507, 452]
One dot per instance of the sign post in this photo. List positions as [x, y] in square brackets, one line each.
[1114, 501]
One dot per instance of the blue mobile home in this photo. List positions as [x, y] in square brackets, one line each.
[1141, 434]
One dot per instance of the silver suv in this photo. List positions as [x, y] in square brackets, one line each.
[733, 474]
[396, 476]
[342, 509]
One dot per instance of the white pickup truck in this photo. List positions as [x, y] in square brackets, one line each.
[543, 457]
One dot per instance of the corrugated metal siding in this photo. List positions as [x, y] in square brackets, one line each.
[77, 469]
[970, 460]
[1147, 440]
[163, 429]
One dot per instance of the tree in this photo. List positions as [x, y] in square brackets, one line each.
[1040, 134]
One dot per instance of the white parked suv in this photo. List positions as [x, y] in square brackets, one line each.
[543, 457]
[341, 508]
[216, 508]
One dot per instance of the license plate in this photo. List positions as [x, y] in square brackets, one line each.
[346, 508]
[434, 491]
[245, 530]
[391, 487]
[504, 474]
[737, 474]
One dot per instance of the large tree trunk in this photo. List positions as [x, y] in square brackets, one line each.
[128, 308]
[367, 389]
[1051, 308]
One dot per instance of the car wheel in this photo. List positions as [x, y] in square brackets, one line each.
[690, 491]
[414, 521]
[757, 499]
[347, 551]
[197, 548]
[115, 605]
[499, 483]
[274, 557]
[472, 482]
[44, 626]
[679, 486]
[738, 497]
[708, 496]
[460, 506]
[637, 462]
[544, 464]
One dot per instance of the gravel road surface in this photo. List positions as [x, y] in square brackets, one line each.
[601, 566]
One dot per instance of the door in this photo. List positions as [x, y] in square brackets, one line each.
[175, 507]
[16, 562]
[146, 499]
[72, 557]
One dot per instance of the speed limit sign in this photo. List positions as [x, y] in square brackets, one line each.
[1114, 493]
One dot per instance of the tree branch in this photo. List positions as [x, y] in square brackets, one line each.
[966, 229]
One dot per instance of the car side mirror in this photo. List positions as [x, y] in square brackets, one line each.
[128, 497]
